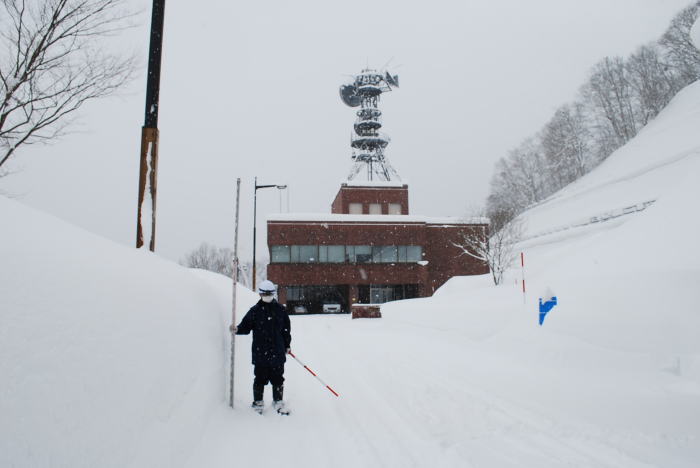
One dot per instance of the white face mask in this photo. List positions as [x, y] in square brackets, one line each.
[267, 298]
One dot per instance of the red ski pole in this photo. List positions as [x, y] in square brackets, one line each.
[313, 373]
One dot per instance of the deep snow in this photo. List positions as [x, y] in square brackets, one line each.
[114, 357]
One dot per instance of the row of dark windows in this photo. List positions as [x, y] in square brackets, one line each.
[301, 299]
[346, 253]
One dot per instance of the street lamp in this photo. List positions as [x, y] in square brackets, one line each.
[255, 210]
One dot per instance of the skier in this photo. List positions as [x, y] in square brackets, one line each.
[269, 322]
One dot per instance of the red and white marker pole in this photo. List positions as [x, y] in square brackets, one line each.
[314, 374]
[522, 271]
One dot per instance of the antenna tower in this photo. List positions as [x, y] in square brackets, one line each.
[367, 142]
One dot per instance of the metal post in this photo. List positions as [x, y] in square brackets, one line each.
[255, 208]
[235, 282]
[148, 168]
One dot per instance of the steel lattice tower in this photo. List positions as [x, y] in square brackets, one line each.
[367, 142]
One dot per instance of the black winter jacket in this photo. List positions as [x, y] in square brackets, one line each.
[271, 329]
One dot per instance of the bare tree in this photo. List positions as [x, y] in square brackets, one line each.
[209, 257]
[680, 53]
[496, 250]
[220, 260]
[620, 97]
[520, 179]
[566, 144]
[609, 91]
[653, 82]
[52, 62]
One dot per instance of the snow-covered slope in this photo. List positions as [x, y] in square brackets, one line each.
[108, 356]
[661, 156]
[113, 357]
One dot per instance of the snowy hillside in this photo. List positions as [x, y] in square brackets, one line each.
[636, 175]
[113, 357]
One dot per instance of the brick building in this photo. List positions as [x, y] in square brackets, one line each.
[367, 250]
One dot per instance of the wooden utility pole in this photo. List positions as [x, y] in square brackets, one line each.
[148, 168]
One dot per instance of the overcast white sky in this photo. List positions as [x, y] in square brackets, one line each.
[251, 88]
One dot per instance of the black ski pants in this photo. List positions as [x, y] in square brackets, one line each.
[265, 375]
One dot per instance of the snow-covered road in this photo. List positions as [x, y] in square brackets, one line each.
[416, 392]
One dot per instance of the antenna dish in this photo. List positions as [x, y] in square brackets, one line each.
[348, 93]
[392, 80]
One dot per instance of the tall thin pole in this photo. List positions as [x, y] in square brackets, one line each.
[234, 274]
[148, 168]
[522, 272]
[255, 208]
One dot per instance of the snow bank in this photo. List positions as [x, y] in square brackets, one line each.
[109, 356]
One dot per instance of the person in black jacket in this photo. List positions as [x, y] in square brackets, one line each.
[269, 322]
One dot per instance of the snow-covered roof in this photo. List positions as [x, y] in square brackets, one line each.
[374, 183]
[357, 218]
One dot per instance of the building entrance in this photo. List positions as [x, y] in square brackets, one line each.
[322, 299]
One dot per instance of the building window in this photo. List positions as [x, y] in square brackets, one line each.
[375, 208]
[280, 254]
[336, 254]
[355, 208]
[376, 254]
[331, 253]
[359, 253]
[308, 253]
[381, 293]
[410, 253]
[345, 253]
[386, 254]
[394, 208]
[295, 293]
[414, 253]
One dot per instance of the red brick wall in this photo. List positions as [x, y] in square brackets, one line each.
[358, 233]
[444, 259]
[367, 195]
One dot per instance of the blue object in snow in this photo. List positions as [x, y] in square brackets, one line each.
[546, 307]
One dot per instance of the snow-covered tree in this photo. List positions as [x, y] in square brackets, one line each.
[497, 250]
[566, 144]
[653, 82]
[610, 94]
[620, 97]
[678, 49]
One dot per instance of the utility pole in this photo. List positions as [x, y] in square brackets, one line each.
[235, 282]
[148, 168]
